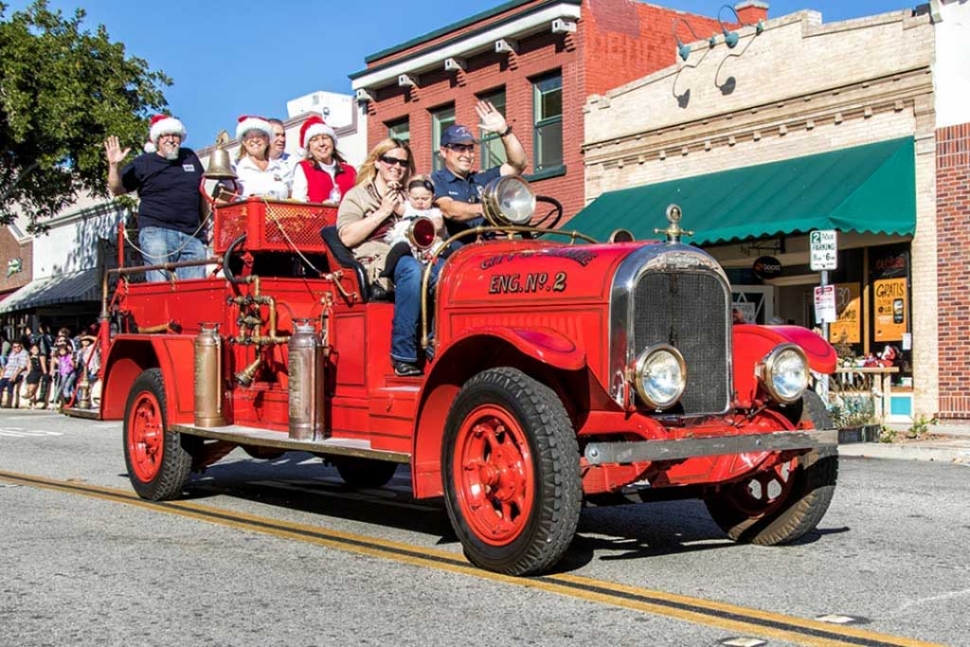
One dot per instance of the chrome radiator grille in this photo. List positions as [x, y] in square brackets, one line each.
[689, 312]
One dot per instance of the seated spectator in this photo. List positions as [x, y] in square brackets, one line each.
[366, 214]
[13, 373]
[324, 176]
[257, 173]
[90, 358]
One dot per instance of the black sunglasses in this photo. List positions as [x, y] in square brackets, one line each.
[391, 161]
[462, 148]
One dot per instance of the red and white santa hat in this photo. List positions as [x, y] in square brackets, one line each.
[314, 126]
[162, 125]
[251, 122]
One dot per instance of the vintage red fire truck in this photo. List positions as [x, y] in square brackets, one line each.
[563, 371]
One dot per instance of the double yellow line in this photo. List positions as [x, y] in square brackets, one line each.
[719, 615]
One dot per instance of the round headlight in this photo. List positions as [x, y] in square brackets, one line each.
[509, 200]
[784, 373]
[660, 376]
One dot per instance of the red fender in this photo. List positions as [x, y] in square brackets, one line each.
[444, 381]
[130, 355]
[752, 343]
[544, 344]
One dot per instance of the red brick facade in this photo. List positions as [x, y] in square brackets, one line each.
[616, 41]
[953, 268]
[11, 249]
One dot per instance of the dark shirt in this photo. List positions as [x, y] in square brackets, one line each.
[464, 189]
[169, 190]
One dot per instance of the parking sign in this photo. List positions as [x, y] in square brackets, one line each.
[824, 249]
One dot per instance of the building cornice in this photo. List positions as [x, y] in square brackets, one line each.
[477, 41]
[862, 100]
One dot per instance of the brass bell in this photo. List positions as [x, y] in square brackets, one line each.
[220, 167]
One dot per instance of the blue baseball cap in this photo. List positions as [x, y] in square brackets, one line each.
[457, 134]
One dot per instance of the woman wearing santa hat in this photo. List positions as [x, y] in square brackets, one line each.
[324, 176]
[257, 173]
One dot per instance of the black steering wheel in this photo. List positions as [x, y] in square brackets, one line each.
[551, 217]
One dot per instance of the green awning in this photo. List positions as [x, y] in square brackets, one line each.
[868, 188]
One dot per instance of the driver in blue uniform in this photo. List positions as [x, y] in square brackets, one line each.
[458, 189]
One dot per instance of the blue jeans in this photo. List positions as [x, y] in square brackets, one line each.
[407, 308]
[161, 245]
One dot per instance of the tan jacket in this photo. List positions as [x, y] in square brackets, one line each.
[359, 202]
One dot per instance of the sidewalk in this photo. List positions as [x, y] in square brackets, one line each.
[947, 443]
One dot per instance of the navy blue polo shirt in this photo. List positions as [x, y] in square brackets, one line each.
[168, 189]
[464, 189]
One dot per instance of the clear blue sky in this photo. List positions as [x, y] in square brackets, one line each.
[246, 57]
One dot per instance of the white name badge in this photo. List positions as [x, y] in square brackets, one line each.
[188, 168]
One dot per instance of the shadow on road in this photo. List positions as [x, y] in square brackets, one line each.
[298, 481]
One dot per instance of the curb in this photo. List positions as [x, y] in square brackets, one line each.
[908, 452]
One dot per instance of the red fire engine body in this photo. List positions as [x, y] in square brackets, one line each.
[562, 371]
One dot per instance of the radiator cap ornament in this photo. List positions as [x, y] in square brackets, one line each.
[673, 231]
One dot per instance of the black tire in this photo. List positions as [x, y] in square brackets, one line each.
[159, 461]
[805, 494]
[364, 472]
[524, 423]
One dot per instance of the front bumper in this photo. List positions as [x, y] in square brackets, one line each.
[642, 451]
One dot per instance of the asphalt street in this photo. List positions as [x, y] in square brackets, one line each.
[83, 569]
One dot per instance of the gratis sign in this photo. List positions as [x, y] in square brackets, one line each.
[824, 250]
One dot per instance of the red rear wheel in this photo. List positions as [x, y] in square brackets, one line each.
[145, 436]
[159, 461]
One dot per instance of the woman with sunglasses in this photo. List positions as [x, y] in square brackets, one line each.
[367, 212]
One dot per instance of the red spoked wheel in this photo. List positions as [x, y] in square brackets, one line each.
[158, 460]
[510, 464]
[145, 436]
[493, 465]
[780, 503]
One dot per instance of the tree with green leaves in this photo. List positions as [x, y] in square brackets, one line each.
[63, 90]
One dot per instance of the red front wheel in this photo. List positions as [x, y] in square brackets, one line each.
[511, 472]
[158, 462]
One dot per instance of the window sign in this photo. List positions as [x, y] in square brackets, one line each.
[891, 309]
[848, 308]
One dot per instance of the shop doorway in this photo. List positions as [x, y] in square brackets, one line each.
[756, 302]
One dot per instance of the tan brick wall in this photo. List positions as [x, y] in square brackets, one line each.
[799, 88]
[794, 57]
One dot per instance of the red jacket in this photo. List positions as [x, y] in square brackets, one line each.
[319, 184]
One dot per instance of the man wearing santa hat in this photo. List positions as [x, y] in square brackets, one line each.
[167, 179]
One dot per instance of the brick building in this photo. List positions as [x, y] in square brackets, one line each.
[536, 60]
[16, 270]
[859, 126]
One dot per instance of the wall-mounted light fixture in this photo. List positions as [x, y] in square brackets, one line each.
[683, 49]
[731, 38]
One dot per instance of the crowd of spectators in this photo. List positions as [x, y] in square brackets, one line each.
[41, 370]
